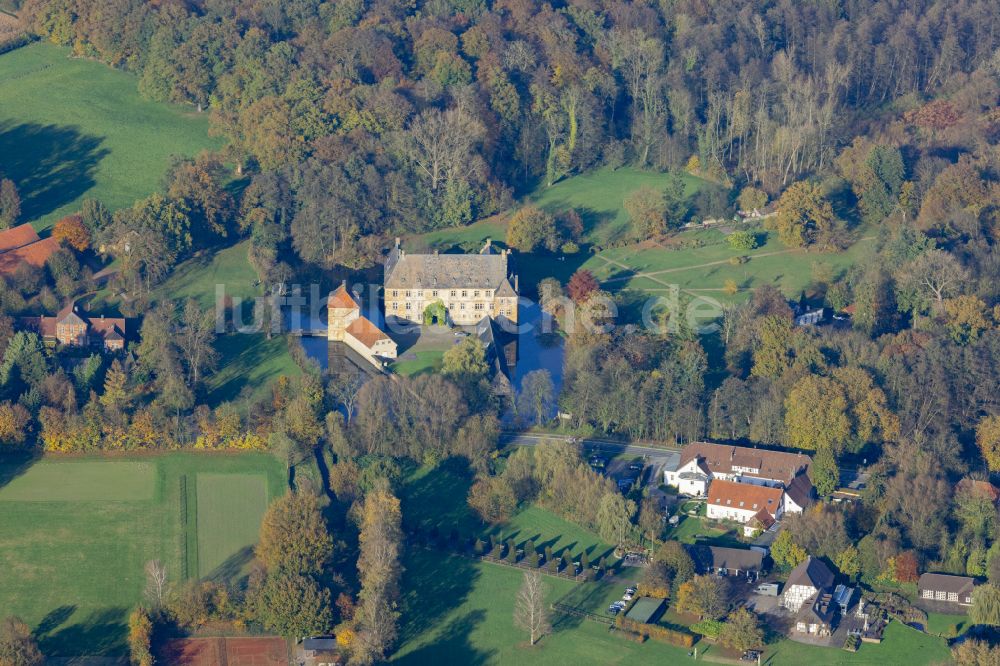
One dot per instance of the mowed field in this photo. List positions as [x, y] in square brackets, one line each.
[230, 508]
[77, 534]
[74, 128]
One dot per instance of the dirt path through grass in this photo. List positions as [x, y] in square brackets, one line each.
[651, 274]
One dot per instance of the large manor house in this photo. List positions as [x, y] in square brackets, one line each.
[468, 286]
[455, 289]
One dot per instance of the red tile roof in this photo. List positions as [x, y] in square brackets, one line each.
[341, 299]
[724, 459]
[744, 496]
[35, 254]
[17, 237]
[366, 332]
[976, 487]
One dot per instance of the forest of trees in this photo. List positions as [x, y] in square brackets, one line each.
[349, 122]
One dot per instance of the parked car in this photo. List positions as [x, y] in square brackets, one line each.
[630, 590]
[627, 597]
[461, 334]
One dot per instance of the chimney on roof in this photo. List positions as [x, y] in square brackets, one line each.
[435, 252]
[102, 316]
[397, 242]
[489, 242]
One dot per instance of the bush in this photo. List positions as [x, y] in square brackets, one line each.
[656, 632]
[569, 247]
[742, 240]
[708, 628]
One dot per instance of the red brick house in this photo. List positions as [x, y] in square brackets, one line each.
[74, 329]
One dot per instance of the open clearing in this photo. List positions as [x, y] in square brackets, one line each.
[230, 508]
[699, 261]
[83, 482]
[74, 128]
[73, 563]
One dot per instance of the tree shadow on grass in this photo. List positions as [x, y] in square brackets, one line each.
[16, 464]
[53, 620]
[434, 585]
[453, 645]
[101, 632]
[234, 569]
[50, 164]
[439, 499]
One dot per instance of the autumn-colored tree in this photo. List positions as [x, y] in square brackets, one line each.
[816, 414]
[379, 570]
[785, 552]
[14, 420]
[772, 354]
[72, 231]
[730, 288]
[647, 210]
[741, 631]
[531, 229]
[906, 567]
[581, 285]
[140, 634]
[18, 646]
[492, 499]
[677, 560]
[936, 116]
[848, 561]
[704, 596]
[988, 439]
[751, 198]
[803, 216]
[967, 318]
[293, 536]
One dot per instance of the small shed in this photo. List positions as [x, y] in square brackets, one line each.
[646, 610]
[313, 647]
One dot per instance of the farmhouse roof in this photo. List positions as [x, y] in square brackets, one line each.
[811, 573]
[366, 332]
[818, 609]
[716, 557]
[979, 488]
[16, 237]
[762, 520]
[745, 496]
[725, 459]
[340, 298]
[946, 583]
[34, 254]
[446, 271]
[800, 490]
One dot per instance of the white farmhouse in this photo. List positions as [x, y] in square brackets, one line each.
[701, 462]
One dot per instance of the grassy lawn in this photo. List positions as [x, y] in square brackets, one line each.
[83, 482]
[900, 645]
[599, 196]
[248, 360]
[945, 625]
[713, 533]
[200, 278]
[426, 361]
[458, 611]
[547, 529]
[73, 128]
[73, 559]
[230, 508]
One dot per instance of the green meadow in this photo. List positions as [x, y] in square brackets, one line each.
[77, 534]
[72, 129]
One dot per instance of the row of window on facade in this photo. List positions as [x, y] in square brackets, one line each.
[488, 293]
[938, 595]
[461, 306]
